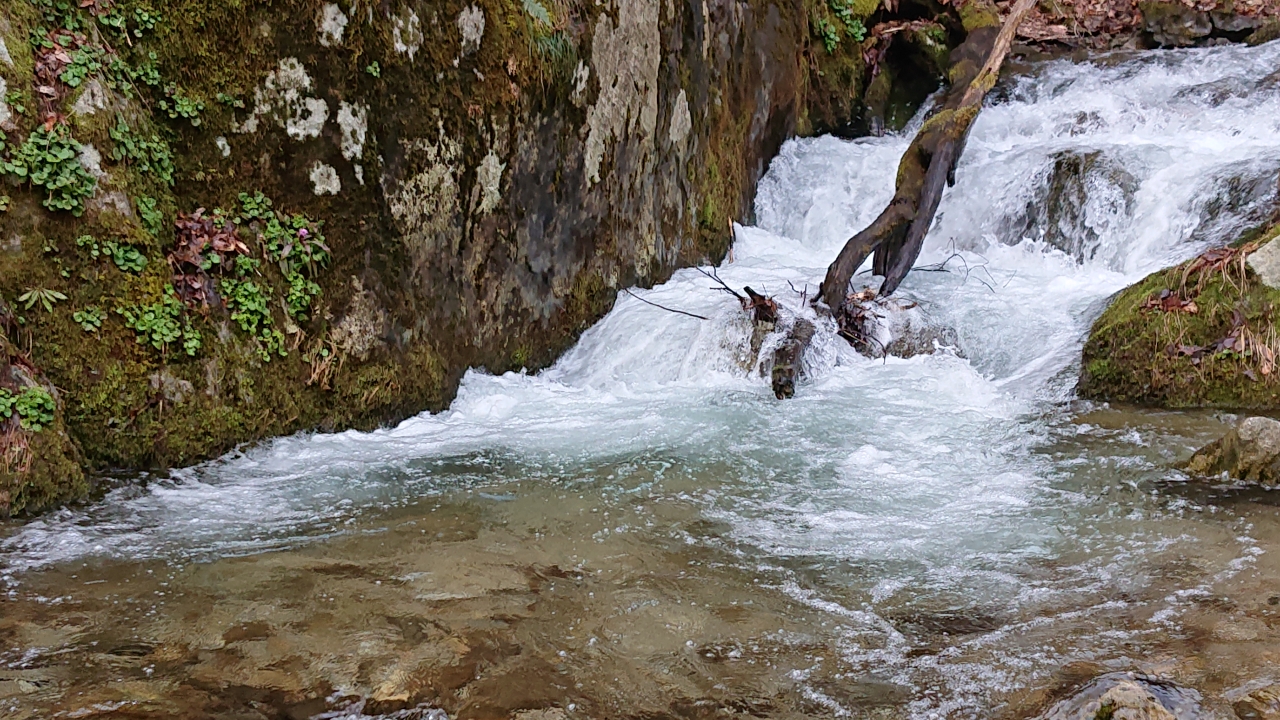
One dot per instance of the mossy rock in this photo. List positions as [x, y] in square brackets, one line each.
[1142, 353]
[1270, 30]
[1174, 24]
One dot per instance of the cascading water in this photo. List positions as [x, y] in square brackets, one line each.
[954, 490]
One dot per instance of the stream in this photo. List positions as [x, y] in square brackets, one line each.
[643, 531]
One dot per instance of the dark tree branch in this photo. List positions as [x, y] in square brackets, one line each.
[928, 166]
[661, 307]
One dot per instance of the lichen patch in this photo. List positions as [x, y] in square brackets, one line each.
[331, 24]
[224, 147]
[5, 57]
[360, 330]
[426, 206]
[489, 180]
[353, 121]
[309, 122]
[282, 98]
[581, 74]
[471, 25]
[92, 98]
[324, 179]
[91, 160]
[406, 33]
[5, 113]
[626, 54]
[681, 120]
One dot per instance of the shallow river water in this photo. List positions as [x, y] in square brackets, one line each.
[642, 530]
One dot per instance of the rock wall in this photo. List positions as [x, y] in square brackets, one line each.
[225, 221]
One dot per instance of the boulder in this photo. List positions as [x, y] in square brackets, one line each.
[1265, 263]
[1249, 452]
[1196, 335]
[903, 329]
[1256, 703]
[1127, 696]
[1174, 24]
[1226, 21]
[481, 203]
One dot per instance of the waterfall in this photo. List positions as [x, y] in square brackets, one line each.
[954, 482]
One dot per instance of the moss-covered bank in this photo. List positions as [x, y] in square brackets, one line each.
[225, 221]
[1205, 333]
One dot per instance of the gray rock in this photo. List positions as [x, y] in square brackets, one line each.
[1256, 703]
[1249, 452]
[174, 389]
[1127, 696]
[1265, 263]
[93, 97]
[1230, 22]
[1082, 188]
[1174, 24]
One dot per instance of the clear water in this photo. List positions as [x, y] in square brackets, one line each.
[949, 524]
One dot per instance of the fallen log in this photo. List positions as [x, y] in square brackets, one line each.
[786, 359]
[897, 235]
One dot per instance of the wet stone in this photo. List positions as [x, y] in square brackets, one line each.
[1249, 452]
[1265, 263]
[1128, 696]
[1259, 704]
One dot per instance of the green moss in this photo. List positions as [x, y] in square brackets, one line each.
[1148, 356]
[930, 41]
[722, 184]
[975, 14]
[864, 8]
[1269, 31]
[47, 473]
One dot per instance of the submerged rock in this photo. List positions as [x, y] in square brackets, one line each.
[1249, 452]
[1256, 703]
[1127, 696]
[1080, 199]
[888, 326]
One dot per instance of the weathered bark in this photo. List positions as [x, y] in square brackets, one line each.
[786, 359]
[897, 235]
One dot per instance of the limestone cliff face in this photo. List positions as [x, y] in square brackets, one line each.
[471, 183]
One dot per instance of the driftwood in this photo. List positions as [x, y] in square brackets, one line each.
[897, 235]
[786, 359]
[763, 308]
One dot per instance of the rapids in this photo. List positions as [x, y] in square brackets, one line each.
[954, 527]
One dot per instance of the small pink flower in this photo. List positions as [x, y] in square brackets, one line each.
[303, 233]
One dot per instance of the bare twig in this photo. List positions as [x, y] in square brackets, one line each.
[662, 307]
[721, 284]
[804, 296]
